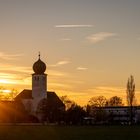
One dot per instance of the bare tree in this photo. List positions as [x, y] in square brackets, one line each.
[131, 95]
[75, 114]
[114, 101]
[9, 96]
[99, 101]
[95, 108]
[68, 103]
[130, 91]
[13, 93]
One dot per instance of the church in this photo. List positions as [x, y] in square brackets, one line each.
[39, 99]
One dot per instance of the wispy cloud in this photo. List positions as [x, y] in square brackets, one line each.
[11, 74]
[58, 85]
[11, 78]
[15, 69]
[108, 91]
[74, 26]
[60, 63]
[82, 68]
[17, 75]
[7, 76]
[65, 39]
[95, 38]
[56, 73]
[63, 62]
[9, 56]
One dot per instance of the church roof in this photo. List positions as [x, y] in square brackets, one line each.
[25, 94]
[51, 96]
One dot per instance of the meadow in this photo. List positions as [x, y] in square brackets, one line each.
[69, 132]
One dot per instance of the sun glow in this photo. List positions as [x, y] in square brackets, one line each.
[6, 81]
[5, 91]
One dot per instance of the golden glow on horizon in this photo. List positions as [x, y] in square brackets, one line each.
[61, 85]
[81, 98]
[6, 94]
[6, 81]
[5, 91]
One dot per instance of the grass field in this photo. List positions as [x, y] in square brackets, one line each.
[69, 132]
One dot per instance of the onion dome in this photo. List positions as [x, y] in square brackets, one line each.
[39, 66]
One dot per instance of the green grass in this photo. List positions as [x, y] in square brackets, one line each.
[69, 132]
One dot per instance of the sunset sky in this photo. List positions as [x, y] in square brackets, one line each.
[90, 47]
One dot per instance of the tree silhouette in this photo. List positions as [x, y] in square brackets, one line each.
[131, 95]
[114, 101]
[95, 108]
[68, 103]
[75, 114]
[99, 101]
[50, 111]
[8, 97]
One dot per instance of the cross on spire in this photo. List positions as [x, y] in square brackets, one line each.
[39, 55]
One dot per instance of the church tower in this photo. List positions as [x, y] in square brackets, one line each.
[39, 80]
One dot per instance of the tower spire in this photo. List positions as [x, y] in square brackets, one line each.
[39, 55]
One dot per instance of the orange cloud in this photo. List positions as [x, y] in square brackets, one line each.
[81, 68]
[73, 26]
[9, 56]
[95, 38]
[60, 63]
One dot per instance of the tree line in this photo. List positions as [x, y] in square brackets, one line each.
[74, 113]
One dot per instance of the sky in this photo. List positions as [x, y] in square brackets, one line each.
[90, 47]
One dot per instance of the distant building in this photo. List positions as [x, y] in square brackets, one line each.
[114, 115]
[122, 114]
